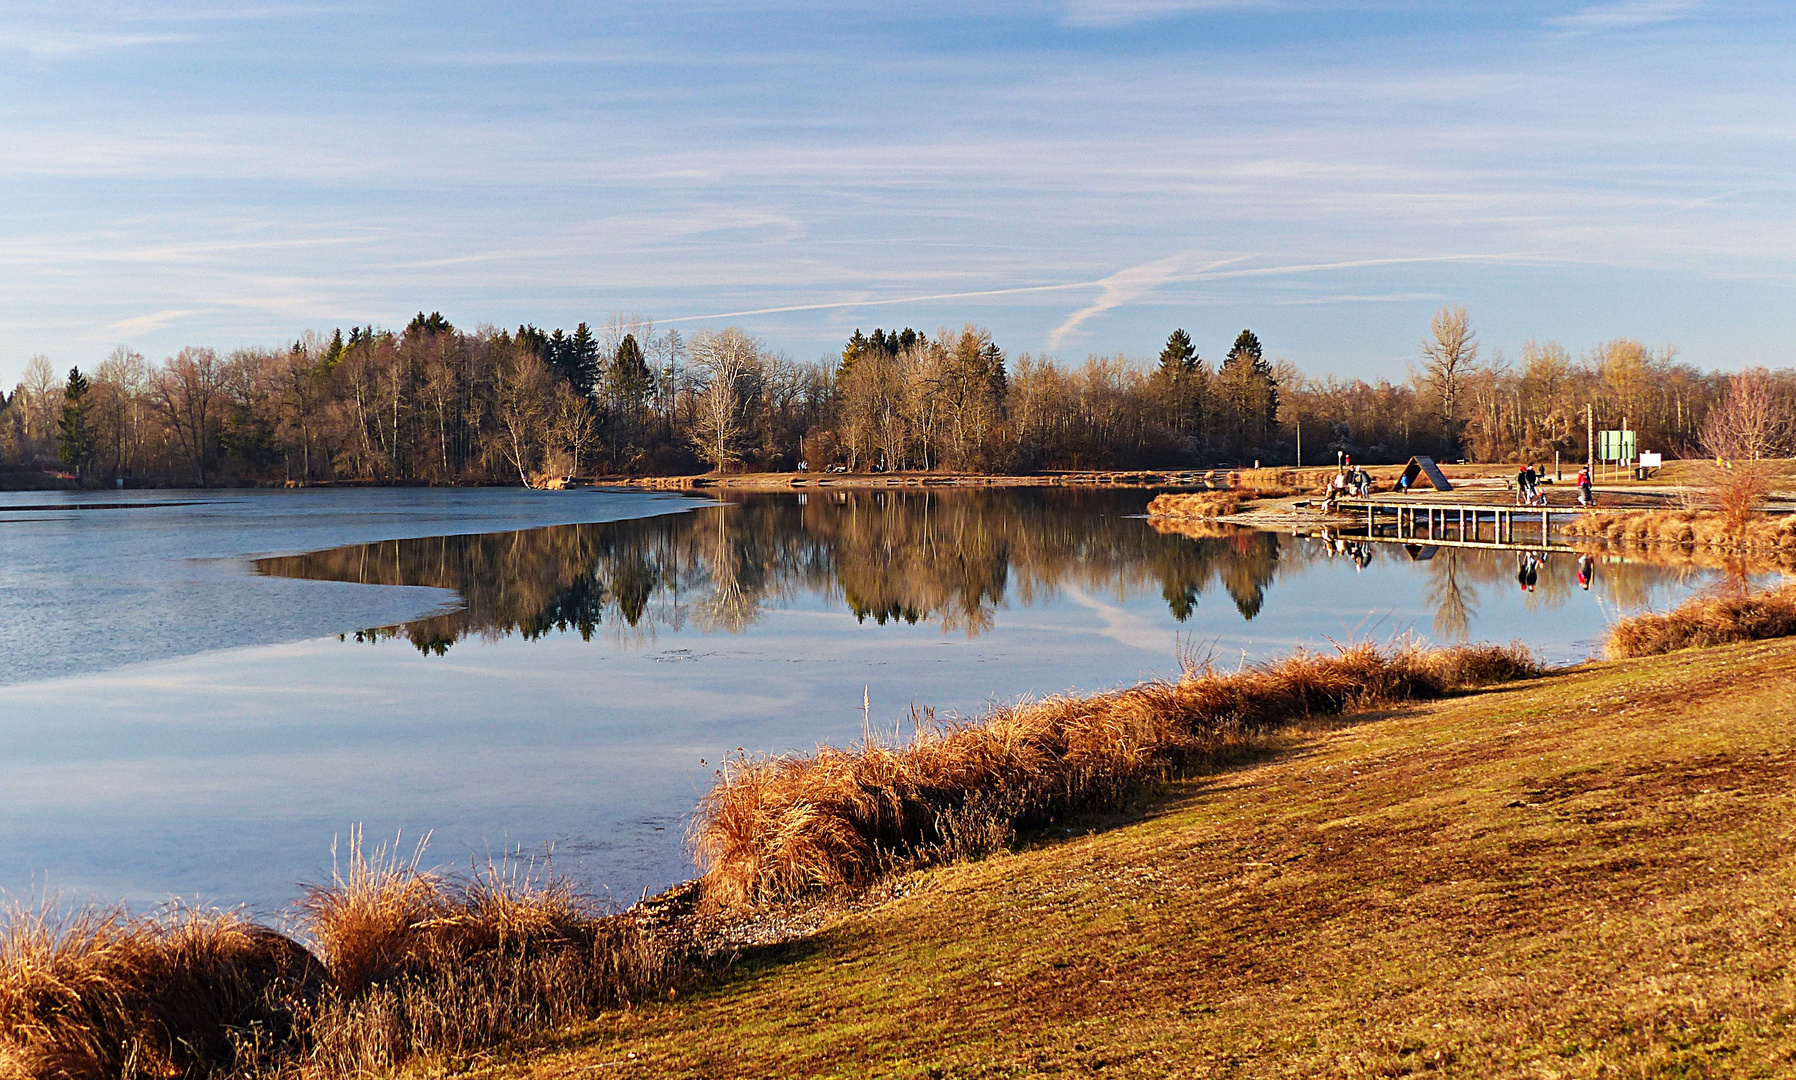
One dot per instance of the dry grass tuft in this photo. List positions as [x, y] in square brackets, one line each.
[780, 827]
[1703, 621]
[425, 964]
[98, 993]
[1197, 504]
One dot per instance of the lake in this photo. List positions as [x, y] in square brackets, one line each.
[199, 691]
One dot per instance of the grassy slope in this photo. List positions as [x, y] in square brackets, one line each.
[1589, 874]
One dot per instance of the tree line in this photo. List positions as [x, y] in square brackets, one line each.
[433, 403]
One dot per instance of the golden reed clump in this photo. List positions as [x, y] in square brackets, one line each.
[421, 963]
[1197, 504]
[98, 993]
[1718, 530]
[413, 963]
[1717, 619]
[781, 827]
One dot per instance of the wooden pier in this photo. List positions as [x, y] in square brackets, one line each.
[1467, 522]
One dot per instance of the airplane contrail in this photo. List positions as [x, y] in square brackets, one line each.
[1209, 273]
[877, 303]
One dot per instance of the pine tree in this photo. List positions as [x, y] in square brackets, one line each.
[1252, 395]
[534, 340]
[1182, 384]
[629, 379]
[1179, 358]
[857, 347]
[434, 323]
[1246, 349]
[583, 360]
[79, 446]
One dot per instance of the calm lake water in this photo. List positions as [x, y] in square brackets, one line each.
[198, 692]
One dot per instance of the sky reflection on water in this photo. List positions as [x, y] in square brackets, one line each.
[597, 672]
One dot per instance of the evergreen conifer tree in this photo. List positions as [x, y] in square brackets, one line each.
[1179, 358]
[1251, 393]
[630, 379]
[583, 359]
[79, 446]
[854, 350]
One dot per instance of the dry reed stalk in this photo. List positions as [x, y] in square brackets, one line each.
[98, 993]
[1703, 621]
[1197, 504]
[781, 827]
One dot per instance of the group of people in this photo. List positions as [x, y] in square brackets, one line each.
[1527, 487]
[1528, 493]
[1346, 482]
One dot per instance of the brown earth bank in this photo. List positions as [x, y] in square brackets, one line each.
[1585, 874]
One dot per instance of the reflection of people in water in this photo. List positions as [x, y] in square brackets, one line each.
[1586, 571]
[1528, 569]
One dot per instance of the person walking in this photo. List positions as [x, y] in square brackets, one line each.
[1521, 488]
[1586, 497]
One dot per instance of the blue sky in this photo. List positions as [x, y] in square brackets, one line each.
[1080, 176]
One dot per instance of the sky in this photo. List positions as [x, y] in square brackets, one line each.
[1080, 176]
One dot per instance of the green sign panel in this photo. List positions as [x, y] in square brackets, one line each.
[1616, 446]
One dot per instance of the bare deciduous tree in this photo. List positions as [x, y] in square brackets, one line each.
[185, 393]
[521, 384]
[1753, 421]
[1448, 357]
[725, 364]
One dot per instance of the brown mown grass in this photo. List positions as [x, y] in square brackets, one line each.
[1702, 621]
[782, 827]
[1759, 534]
[1197, 504]
[414, 963]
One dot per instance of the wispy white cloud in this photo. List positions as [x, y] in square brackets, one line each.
[1110, 13]
[1623, 15]
[48, 44]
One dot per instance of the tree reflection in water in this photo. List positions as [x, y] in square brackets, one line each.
[950, 558]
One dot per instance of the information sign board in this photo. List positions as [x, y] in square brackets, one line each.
[1615, 445]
